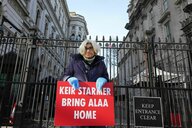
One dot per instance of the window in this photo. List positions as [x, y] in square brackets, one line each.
[165, 5]
[46, 30]
[72, 37]
[37, 18]
[79, 37]
[55, 7]
[168, 31]
[152, 17]
[73, 27]
[60, 14]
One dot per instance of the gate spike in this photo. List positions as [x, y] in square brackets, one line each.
[180, 41]
[123, 38]
[159, 39]
[103, 38]
[137, 39]
[116, 38]
[166, 39]
[173, 40]
[15, 34]
[131, 37]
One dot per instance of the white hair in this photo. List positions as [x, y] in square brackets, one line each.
[96, 47]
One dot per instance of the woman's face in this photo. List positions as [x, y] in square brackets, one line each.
[89, 51]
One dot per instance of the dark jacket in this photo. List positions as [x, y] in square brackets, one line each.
[85, 72]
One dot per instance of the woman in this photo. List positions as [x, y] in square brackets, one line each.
[87, 66]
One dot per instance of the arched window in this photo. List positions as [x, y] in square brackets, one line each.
[38, 18]
[72, 37]
[46, 30]
[79, 37]
[79, 28]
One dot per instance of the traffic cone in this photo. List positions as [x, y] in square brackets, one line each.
[11, 120]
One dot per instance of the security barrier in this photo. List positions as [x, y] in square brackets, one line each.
[31, 67]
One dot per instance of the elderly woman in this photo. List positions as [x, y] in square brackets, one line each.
[86, 66]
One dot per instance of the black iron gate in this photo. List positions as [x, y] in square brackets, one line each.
[30, 68]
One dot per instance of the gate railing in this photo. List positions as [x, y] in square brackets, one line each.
[30, 68]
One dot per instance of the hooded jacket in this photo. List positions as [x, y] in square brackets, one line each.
[86, 72]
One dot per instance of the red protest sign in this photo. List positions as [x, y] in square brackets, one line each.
[86, 106]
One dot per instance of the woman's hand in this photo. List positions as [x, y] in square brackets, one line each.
[74, 82]
[100, 82]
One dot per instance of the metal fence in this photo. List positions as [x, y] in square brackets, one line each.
[30, 68]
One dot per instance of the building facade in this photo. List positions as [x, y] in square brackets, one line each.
[29, 28]
[47, 19]
[78, 27]
[154, 21]
[154, 55]
[161, 18]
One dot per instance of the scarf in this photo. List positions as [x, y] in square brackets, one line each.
[89, 61]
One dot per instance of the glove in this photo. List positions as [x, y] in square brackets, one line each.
[100, 82]
[73, 81]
